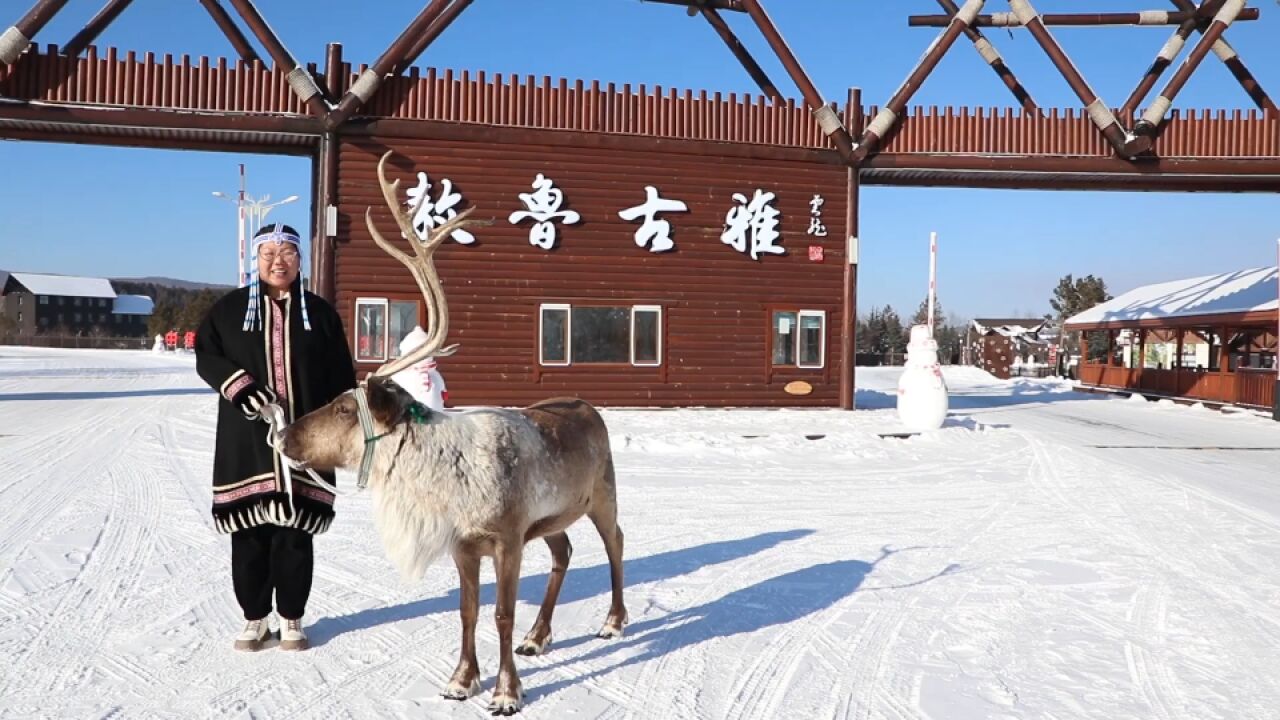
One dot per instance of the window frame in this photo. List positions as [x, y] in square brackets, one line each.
[822, 341]
[355, 335]
[632, 309]
[657, 310]
[800, 313]
[568, 334]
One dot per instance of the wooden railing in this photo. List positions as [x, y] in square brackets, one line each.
[204, 84]
[1253, 388]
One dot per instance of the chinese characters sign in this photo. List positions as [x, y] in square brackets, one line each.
[752, 223]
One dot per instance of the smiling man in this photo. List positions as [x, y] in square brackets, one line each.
[270, 342]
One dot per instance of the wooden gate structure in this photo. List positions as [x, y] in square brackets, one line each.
[492, 133]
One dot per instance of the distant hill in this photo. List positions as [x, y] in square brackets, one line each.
[172, 283]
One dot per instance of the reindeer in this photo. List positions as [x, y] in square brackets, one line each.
[477, 483]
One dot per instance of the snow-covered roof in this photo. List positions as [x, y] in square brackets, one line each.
[1232, 292]
[65, 285]
[1009, 328]
[132, 305]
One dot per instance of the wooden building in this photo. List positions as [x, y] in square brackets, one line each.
[1001, 345]
[1209, 338]
[727, 295]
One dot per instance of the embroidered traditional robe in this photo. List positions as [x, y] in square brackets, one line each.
[306, 369]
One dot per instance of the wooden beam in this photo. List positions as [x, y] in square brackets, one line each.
[887, 118]
[1237, 67]
[439, 25]
[1164, 58]
[1012, 20]
[993, 59]
[740, 51]
[15, 39]
[1154, 116]
[1125, 144]
[231, 30]
[731, 5]
[91, 31]
[300, 81]
[823, 113]
[371, 79]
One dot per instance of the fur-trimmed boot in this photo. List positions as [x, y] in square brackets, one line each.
[291, 635]
[254, 636]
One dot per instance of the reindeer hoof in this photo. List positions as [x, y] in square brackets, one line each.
[533, 647]
[610, 631]
[458, 691]
[612, 628]
[506, 704]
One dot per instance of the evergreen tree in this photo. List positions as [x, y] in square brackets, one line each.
[1073, 296]
[894, 341]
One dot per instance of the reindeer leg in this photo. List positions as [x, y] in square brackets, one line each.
[465, 682]
[604, 514]
[508, 695]
[539, 637]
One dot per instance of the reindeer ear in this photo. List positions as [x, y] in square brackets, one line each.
[387, 402]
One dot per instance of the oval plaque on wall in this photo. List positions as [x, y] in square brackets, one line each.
[798, 387]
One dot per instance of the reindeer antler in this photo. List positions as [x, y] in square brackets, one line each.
[421, 266]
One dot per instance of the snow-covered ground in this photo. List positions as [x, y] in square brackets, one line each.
[1047, 555]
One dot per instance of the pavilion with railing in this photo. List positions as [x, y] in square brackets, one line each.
[1210, 338]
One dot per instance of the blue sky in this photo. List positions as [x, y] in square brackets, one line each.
[128, 212]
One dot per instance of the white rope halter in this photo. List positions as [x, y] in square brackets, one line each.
[274, 415]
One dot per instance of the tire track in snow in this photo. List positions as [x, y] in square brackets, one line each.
[872, 695]
[1149, 672]
[107, 581]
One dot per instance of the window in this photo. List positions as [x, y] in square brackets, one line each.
[44, 299]
[20, 296]
[61, 300]
[554, 331]
[102, 302]
[646, 340]
[403, 319]
[800, 338]
[380, 326]
[371, 330]
[75, 301]
[600, 335]
[77, 317]
[44, 322]
[784, 338]
[19, 315]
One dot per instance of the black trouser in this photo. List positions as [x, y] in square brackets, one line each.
[270, 557]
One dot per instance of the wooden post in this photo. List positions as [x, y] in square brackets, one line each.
[1225, 379]
[1177, 364]
[1140, 365]
[849, 293]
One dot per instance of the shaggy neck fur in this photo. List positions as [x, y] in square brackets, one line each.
[437, 482]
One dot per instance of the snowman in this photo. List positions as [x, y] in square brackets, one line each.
[158, 347]
[922, 393]
[422, 380]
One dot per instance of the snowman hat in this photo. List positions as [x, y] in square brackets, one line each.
[277, 234]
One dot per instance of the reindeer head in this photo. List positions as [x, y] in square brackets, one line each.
[331, 437]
